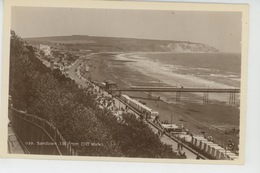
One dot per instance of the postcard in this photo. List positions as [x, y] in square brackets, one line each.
[124, 81]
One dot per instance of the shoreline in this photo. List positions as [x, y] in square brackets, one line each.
[163, 75]
[145, 62]
[196, 117]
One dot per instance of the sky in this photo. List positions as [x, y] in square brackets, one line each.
[221, 30]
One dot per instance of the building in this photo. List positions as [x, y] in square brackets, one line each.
[110, 85]
[46, 49]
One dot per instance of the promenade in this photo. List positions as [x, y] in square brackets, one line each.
[167, 140]
[164, 138]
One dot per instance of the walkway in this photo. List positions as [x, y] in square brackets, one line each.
[164, 139]
[167, 140]
[14, 146]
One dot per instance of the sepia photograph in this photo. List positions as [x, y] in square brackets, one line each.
[161, 83]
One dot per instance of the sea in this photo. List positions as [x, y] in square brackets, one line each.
[206, 70]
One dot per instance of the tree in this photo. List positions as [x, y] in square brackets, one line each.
[50, 95]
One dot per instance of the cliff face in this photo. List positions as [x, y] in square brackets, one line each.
[185, 47]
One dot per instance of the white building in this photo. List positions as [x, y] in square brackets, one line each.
[46, 49]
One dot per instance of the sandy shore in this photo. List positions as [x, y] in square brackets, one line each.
[164, 74]
[209, 118]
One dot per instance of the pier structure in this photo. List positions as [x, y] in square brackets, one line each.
[180, 90]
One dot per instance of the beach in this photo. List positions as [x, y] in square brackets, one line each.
[212, 119]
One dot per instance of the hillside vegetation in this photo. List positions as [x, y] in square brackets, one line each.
[48, 94]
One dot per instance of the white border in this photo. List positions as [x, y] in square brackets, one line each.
[252, 137]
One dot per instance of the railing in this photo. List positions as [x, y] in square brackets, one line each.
[174, 89]
[38, 136]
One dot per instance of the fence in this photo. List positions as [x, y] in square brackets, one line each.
[38, 136]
